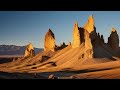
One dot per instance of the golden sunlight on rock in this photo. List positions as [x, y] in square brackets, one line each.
[88, 56]
[113, 39]
[49, 41]
[88, 45]
[76, 36]
[113, 30]
[29, 52]
[90, 24]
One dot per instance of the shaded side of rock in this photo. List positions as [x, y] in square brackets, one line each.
[102, 39]
[63, 45]
[113, 39]
[44, 58]
[82, 38]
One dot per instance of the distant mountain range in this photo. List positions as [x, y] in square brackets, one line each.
[15, 50]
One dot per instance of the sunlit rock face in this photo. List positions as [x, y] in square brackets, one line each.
[90, 27]
[88, 46]
[113, 39]
[85, 35]
[90, 24]
[29, 52]
[49, 41]
[76, 36]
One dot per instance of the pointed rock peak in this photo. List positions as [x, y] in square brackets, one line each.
[49, 41]
[98, 34]
[101, 36]
[113, 30]
[76, 36]
[90, 24]
[91, 19]
[76, 25]
[50, 33]
[102, 39]
[30, 46]
[49, 30]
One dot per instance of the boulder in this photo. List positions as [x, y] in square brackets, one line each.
[29, 52]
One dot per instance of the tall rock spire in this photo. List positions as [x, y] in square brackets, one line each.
[113, 40]
[88, 45]
[76, 36]
[49, 41]
[90, 24]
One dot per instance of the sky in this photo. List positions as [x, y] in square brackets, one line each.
[23, 27]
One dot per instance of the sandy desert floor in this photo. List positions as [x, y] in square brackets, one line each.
[64, 64]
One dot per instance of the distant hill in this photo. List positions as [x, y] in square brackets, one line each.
[15, 50]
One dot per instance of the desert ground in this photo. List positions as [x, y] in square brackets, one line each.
[64, 64]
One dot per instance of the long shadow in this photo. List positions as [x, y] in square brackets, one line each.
[44, 75]
[68, 72]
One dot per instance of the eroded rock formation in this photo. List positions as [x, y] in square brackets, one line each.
[69, 43]
[76, 36]
[85, 35]
[49, 41]
[63, 45]
[88, 46]
[90, 24]
[113, 39]
[102, 39]
[29, 52]
[88, 38]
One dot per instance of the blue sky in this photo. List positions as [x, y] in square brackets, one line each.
[23, 27]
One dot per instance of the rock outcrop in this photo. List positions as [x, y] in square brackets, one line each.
[88, 46]
[76, 36]
[63, 45]
[69, 43]
[98, 40]
[113, 40]
[90, 27]
[102, 39]
[85, 35]
[90, 24]
[49, 41]
[29, 52]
